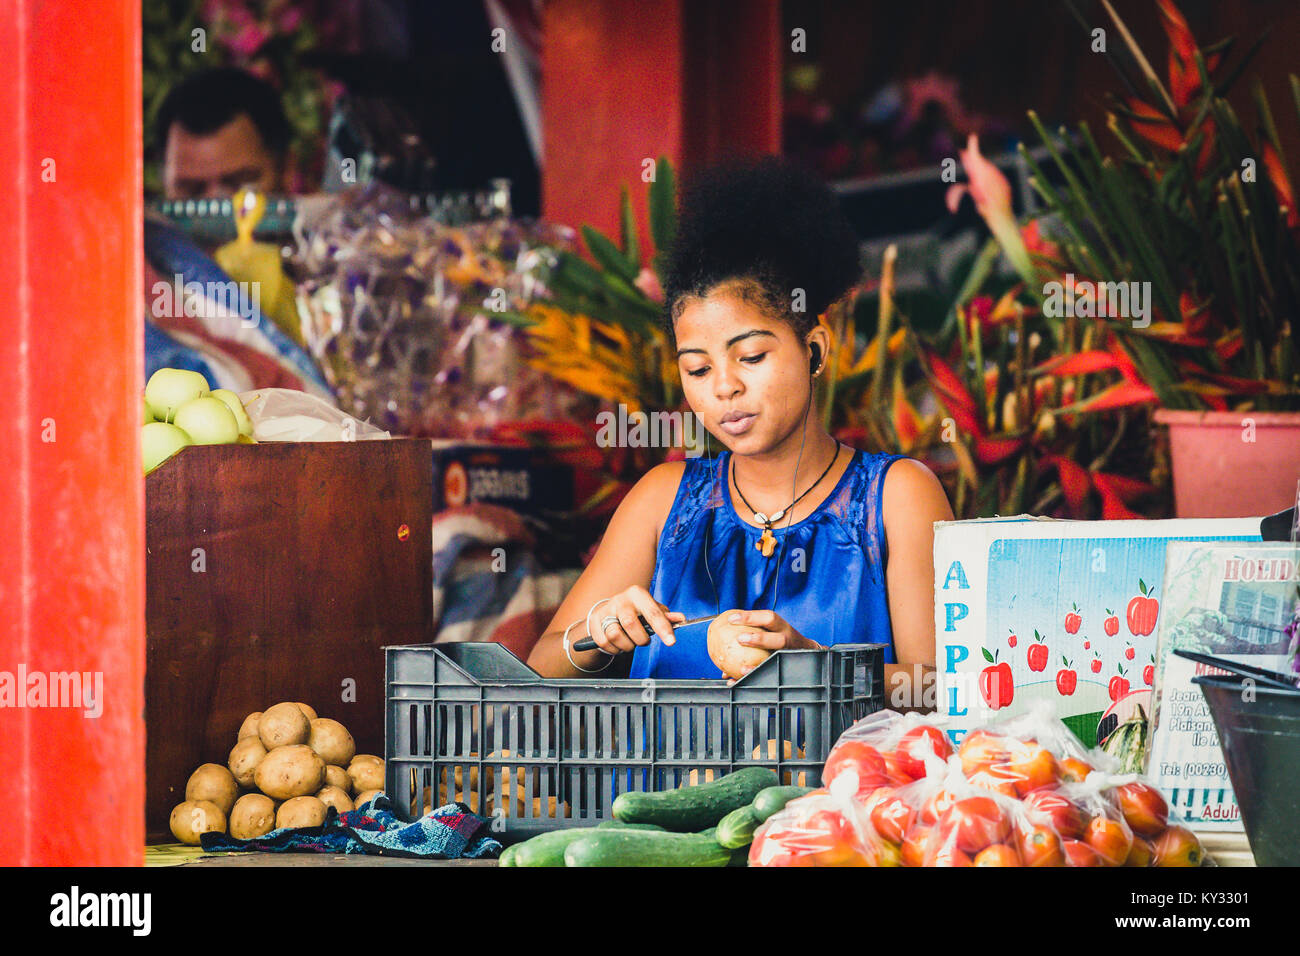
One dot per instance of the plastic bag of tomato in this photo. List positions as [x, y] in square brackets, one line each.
[1020, 792]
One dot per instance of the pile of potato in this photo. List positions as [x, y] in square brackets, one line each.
[286, 767]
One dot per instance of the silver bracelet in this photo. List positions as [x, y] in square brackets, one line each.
[576, 665]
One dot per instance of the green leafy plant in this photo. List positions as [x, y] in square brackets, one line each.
[1199, 206]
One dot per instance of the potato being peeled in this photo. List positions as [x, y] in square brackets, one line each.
[193, 818]
[252, 817]
[733, 658]
[300, 812]
[213, 782]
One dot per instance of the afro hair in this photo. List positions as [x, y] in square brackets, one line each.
[767, 225]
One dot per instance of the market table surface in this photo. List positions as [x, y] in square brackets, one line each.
[1225, 849]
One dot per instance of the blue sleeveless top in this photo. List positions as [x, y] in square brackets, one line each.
[831, 564]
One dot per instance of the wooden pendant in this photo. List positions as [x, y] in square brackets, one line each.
[766, 543]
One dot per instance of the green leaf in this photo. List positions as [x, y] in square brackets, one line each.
[663, 211]
[631, 245]
[987, 656]
[607, 254]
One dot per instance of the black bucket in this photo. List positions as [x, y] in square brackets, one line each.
[1260, 735]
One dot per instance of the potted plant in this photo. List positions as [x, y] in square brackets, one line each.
[1180, 258]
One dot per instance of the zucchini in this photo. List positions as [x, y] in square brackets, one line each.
[773, 799]
[690, 809]
[645, 848]
[620, 825]
[547, 849]
[507, 857]
[737, 828]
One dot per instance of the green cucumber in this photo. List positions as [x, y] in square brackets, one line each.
[773, 799]
[620, 825]
[737, 828]
[507, 857]
[547, 849]
[690, 809]
[645, 848]
[740, 856]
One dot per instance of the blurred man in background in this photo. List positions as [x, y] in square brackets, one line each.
[222, 129]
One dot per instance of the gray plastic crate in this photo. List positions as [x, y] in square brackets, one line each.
[471, 723]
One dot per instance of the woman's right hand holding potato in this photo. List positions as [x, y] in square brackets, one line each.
[629, 634]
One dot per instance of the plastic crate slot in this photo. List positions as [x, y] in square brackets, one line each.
[555, 753]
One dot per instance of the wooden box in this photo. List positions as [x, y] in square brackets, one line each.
[277, 572]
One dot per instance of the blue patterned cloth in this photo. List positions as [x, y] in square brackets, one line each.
[447, 833]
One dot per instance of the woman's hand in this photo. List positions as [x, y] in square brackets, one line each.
[769, 630]
[628, 633]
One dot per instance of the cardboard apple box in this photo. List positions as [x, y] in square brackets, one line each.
[1071, 608]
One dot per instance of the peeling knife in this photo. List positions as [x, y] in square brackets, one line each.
[587, 644]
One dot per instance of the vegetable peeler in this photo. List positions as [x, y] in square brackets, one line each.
[587, 644]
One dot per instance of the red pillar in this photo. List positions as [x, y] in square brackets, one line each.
[72, 498]
[627, 80]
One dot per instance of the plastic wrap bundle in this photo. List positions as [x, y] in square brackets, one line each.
[399, 311]
[1022, 792]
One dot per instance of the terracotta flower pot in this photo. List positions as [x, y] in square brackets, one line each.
[1233, 464]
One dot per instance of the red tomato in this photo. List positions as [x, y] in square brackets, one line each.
[1176, 846]
[1078, 853]
[830, 837]
[999, 854]
[1040, 846]
[917, 744]
[1144, 808]
[1032, 768]
[981, 750]
[1052, 809]
[890, 815]
[945, 853]
[915, 845]
[861, 757]
[936, 806]
[975, 823]
[1074, 769]
[1141, 854]
[1110, 838]
[896, 768]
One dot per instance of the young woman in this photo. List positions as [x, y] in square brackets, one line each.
[818, 543]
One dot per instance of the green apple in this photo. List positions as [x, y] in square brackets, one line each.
[159, 441]
[237, 407]
[170, 388]
[208, 421]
